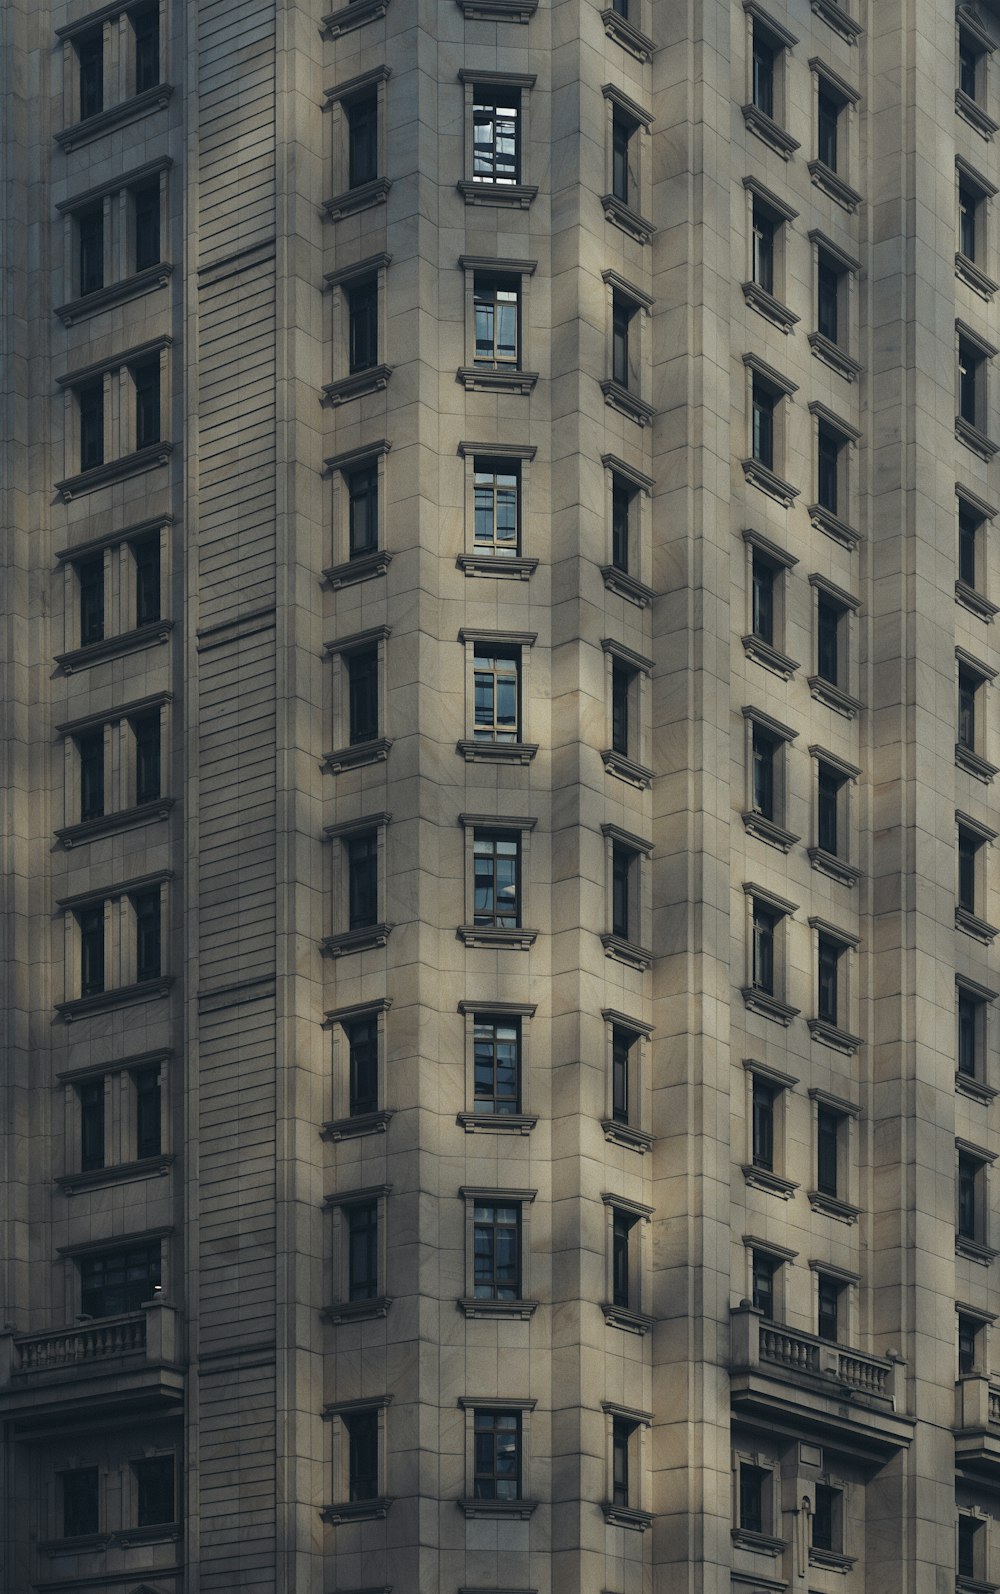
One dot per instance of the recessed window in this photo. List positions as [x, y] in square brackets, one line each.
[90, 73]
[496, 678]
[623, 312]
[753, 1504]
[497, 1063]
[145, 23]
[764, 404]
[361, 1225]
[146, 381]
[970, 218]
[830, 1126]
[147, 1109]
[497, 879]
[623, 1042]
[496, 130]
[90, 1095]
[829, 953]
[90, 749]
[362, 324]
[623, 180]
[362, 881]
[827, 1518]
[362, 1065]
[362, 120]
[622, 1259]
[829, 105]
[90, 580]
[624, 504]
[362, 509]
[624, 891]
[766, 227]
[497, 1454]
[120, 1280]
[764, 1098]
[764, 576]
[497, 1251]
[90, 249]
[970, 866]
[90, 405]
[831, 785]
[497, 314]
[154, 1491]
[971, 1198]
[830, 445]
[970, 527]
[970, 370]
[971, 1547]
[362, 1431]
[829, 1291]
[763, 1275]
[764, 753]
[828, 298]
[146, 732]
[90, 921]
[497, 490]
[831, 623]
[971, 65]
[624, 691]
[146, 565]
[146, 225]
[969, 685]
[146, 909]
[765, 55]
[81, 1512]
[362, 669]
[969, 1330]
[764, 924]
[621, 1432]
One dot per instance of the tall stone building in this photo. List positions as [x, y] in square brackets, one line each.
[499, 902]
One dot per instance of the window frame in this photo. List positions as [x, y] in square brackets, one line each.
[475, 1118]
[344, 1305]
[627, 1117]
[517, 646]
[832, 946]
[344, 1122]
[628, 337]
[974, 41]
[768, 393]
[973, 195]
[371, 558]
[779, 1086]
[768, 124]
[344, 938]
[114, 41]
[349, 381]
[110, 391]
[348, 1506]
[626, 1304]
[835, 144]
[841, 694]
[973, 1184]
[761, 551]
[839, 864]
[627, 201]
[631, 579]
[107, 916]
[974, 1041]
[480, 559]
[974, 679]
[519, 192]
[505, 376]
[839, 352]
[113, 206]
[632, 949]
[766, 210]
[364, 89]
[520, 1505]
[627, 1441]
[472, 1305]
[972, 892]
[974, 390]
[623, 667]
[350, 752]
[510, 937]
[113, 563]
[761, 729]
[768, 1001]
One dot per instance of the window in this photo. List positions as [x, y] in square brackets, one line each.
[623, 683]
[971, 1545]
[362, 694]
[969, 1024]
[154, 1485]
[971, 1196]
[623, 863]
[970, 366]
[146, 380]
[971, 65]
[146, 1087]
[497, 487]
[496, 675]
[81, 1514]
[828, 1132]
[764, 402]
[362, 1454]
[90, 404]
[91, 926]
[362, 140]
[622, 1224]
[362, 1048]
[497, 1064]
[622, 312]
[969, 684]
[766, 963]
[361, 1220]
[622, 1042]
[497, 1454]
[146, 908]
[766, 51]
[830, 617]
[362, 324]
[765, 229]
[119, 1281]
[828, 108]
[146, 40]
[90, 747]
[497, 879]
[497, 314]
[496, 135]
[969, 531]
[765, 923]
[831, 784]
[90, 1094]
[829, 954]
[827, 1529]
[763, 1271]
[974, 355]
[621, 1433]
[362, 497]
[90, 69]
[970, 199]
[764, 750]
[622, 388]
[497, 1251]
[90, 580]
[969, 847]
[969, 1330]
[764, 1096]
[829, 446]
[627, 196]
[621, 133]
[835, 667]
[623, 496]
[754, 1499]
[146, 563]
[828, 299]
[833, 498]
[828, 1293]
[146, 225]
[362, 881]
[146, 731]
[763, 577]
[90, 249]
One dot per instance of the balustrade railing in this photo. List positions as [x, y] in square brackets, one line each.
[84, 1342]
[760, 1343]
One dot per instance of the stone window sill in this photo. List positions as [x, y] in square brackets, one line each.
[357, 1311]
[357, 1510]
[627, 769]
[622, 215]
[353, 16]
[374, 379]
[496, 1309]
[485, 936]
[832, 355]
[119, 1173]
[773, 1183]
[626, 1516]
[630, 1322]
[373, 752]
[363, 1123]
[968, 272]
[978, 928]
[365, 940]
[973, 764]
[495, 379]
[974, 1250]
[768, 1006]
[832, 526]
[491, 1510]
[628, 952]
[831, 1560]
[506, 196]
[831, 1207]
[837, 18]
[839, 191]
[496, 752]
[619, 398]
[497, 1123]
[766, 830]
[115, 293]
[975, 602]
[762, 653]
[974, 114]
[975, 1089]
[825, 692]
[627, 586]
[496, 565]
[760, 1543]
[498, 10]
[360, 569]
[114, 470]
[110, 824]
[768, 306]
[130, 110]
[143, 636]
[121, 996]
[627, 35]
[760, 476]
[82, 1544]
[836, 868]
[625, 1135]
[840, 1040]
[163, 1533]
[974, 1585]
[767, 129]
[352, 200]
[975, 439]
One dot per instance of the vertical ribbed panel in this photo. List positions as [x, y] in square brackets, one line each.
[237, 1485]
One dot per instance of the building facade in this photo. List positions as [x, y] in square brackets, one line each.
[498, 644]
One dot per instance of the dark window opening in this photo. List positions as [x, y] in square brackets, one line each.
[968, 65]
[621, 1231]
[622, 679]
[146, 32]
[146, 730]
[362, 1044]
[90, 62]
[764, 1098]
[80, 1502]
[362, 1251]
[90, 402]
[764, 752]
[828, 1311]
[968, 686]
[828, 115]
[622, 497]
[91, 1099]
[146, 907]
[621, 134]
[362, 1454]
[765, 229]
[763, 1269]
[970, 364]
[119, 1281]
[621, 1433]
[764, 925]
[362, 318]
[825, 1518]
[968, 531]
[828, 618]
[828, 449]
[827, 995]
[146, 559]
[969, 1011]
[90, 578]
[90, 245]
[828, 300]
[968, 848]
[497, 1064]
[91, 923]
[497, 1458]
[155, 1487]
[764, 577]
[765, 55]
[362, 499]
[622, 312]
[362, 882]
[764, 404]
[362, 695]
[90, 747]
[753, 1482]
[827, 1151]
[362, 141]
[623, 862]
[829, 786]
[497, 880]
[146, 224]
[146, 381]
[147, 1112]
[968, 1205]
[968, 1332]
[968, 208]
[622, 1041]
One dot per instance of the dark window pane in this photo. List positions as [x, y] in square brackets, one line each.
[497, 1064]
[827, 472]
[968, 1329]
[827, 1144]
[968, 1036]
[146, 380]
[968, 685]
[764, 751]
[362, 141]
[764, 1269]
[621, 881]
[90, 60]
[827, 993]
[764, 922]
[362, 494]
[91, 750]
[146, 559]
[752, 1480]
[497, 1455]
[154, 1483]
[81, 1502]
[968, 527]
[968, 366]
[828, 1298]
[621, 685]
[146, 730]
[90, 242]
[621, 504]
[622, 1042]
[362, 881]
[764, 1096]
[621, 316]
[91, 922]
[827, 301]
[966, 872]
[621, 1230]
[119, 1281]
[621, 132]
[90, 577]
[146, 907]
[362, 314]
[763, 579]
[146, 31]
[146, 222]
[828, 616]
[496, 883]
[828, 797]
[91, 1096]
[620, 1434]
[967, 1204]
[967, 207]
[764, 57]
[496, 695]
[362, 1041]
[824, 1530]
[90, 401]
[362, 1454]
[764, 229]
[762, 442]
[828, 114]
[968, 60]
[495, 137]
[147, 1113]
[362, 693]
[362, 1246]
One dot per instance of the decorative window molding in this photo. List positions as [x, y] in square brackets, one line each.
[627, 512]
[357, 14]
[497, 139]
[763, 993]
[496, 1282]
[626, 1304]
[358, 1082]
[625, 32]
[497, 696]
[116, 941]
[497, 325]
[360, 885]
[357, 110]
[111, 408]
[628, 310]
[360, 699]
[504, 1493]
[498, 1076]
[503, 843]
[498, 525]
[628, 1112]
[360, 1247]
[360, 1460]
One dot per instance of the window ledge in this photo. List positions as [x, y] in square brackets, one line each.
[365, 940]
[637, 957]
[627, 586]
[374, 379]
[497, 752]
[974, 601]
[767, 129]
[115, 293]
[834, 15]
[975, 1088]
[834, 356]
[373, 752]
[512, 1510]
[162, 1533]
[831, 525]
[114, 470]
[760, 1543]
[81, 1544]
[768, 306]
[773, 1183]
[831, 1207]
[130, 110]
[974, 439]
[626, 769]
[831, 1560]
[143, 636]
[498, 10]
[975, 115]
[968, 272]
[499, 1123]
[357, 1311]
[352, 16]
[631, 1322]
[768, 1006]
[766, 830]
[825, 692]
[627, 1516]
[619, 398]
[484, 935]
[839, 191]
[121, 996]
[109, 824]
[627, 35]
[363, 1123]
[971, 762]
[118, 1173]
[829, 864]
[976, 927]
[470, 1307]
[354, 199]
[495, 379]
[361, 569]
[357, 1510]
[974, 1585]
[496, 565]
[508, 196]
[762, 653]
[621, 214]
[975, 1251]
[839, 1040]
[625, 1135]
[759, 475]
